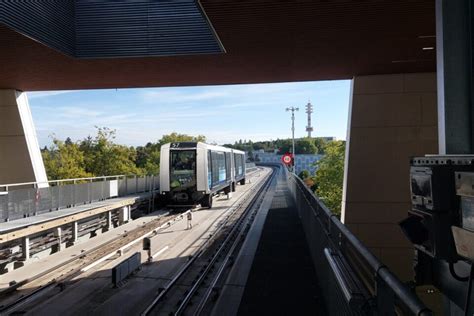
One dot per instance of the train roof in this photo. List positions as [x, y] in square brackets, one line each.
[187, 145]
[238, 151]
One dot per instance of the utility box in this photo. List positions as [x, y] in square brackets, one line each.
[442, 196]
[465, 190]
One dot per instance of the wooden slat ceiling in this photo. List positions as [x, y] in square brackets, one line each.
[266, 41]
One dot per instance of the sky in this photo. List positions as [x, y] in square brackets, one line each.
[224, 114]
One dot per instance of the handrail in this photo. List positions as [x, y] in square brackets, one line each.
[67, 180]
[400, 290]
[28, 199]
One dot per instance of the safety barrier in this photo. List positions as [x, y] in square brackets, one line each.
[28, 199]
[353, 280]
[121, 271]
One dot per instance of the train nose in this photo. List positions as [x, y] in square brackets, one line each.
[181, 197]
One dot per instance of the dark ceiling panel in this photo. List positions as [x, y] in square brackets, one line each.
[106, 28]
[142, 28]
[265, 41]
[49, 22]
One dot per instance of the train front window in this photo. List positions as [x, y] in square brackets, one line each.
[183, 169]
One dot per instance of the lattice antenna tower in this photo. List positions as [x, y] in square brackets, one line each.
[309, 111]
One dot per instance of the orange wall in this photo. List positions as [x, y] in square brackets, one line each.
[392, 118]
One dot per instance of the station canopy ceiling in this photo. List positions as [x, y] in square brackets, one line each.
[89, 44]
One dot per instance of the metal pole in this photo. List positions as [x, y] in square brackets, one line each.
[293, 109]
[293, 138]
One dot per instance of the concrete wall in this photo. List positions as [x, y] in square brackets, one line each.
[392, 117]
[303, 161]
[20, 156]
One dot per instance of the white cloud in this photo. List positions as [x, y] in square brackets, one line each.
[77, 112]
[167, 97]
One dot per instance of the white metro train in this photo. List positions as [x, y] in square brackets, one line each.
[192, 172]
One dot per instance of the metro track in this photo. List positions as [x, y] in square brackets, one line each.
[194, 287]
[67, 271]
[58, 277]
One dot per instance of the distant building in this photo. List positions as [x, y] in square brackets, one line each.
[327, 138]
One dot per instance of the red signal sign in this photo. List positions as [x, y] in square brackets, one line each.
[287, 159]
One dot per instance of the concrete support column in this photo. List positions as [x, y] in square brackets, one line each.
[124, 215]
[392, 118]
[20, 155]
[454, 70]
[25, 248]
[455, 61]
[109, 220]
[58, 235]
[74, 230]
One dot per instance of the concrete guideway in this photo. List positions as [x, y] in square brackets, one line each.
[193, 287]
[59, 274]
[281, 277]
[35, 224]
[233, 287]
[38, 236]
[176, 242]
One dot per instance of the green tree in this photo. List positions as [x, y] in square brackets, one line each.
[105, 158]
[330, 174]
[305, 146]
[320, 144]
[304, 174]
[148, 158]
[64, 160]
[101, 156]
[176, 137]
[152, 165]
[283, 145]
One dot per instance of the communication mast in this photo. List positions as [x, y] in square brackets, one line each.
[309, 110]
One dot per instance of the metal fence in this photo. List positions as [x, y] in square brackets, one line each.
[353, 280]
[28, 199]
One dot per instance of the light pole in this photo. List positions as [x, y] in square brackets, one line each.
[293, 109]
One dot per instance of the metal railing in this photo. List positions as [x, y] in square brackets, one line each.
[21, 200]
[353, 280]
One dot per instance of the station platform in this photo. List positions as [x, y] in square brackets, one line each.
[30, 225]
[39, 265]
[282, 278]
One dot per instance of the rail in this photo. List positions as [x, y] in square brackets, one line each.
[32, 289]
[355, 282]
[28, 199]
[205, 267]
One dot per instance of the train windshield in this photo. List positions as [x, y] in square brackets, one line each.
[183, 169]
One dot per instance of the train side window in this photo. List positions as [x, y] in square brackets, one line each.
[236, 165]
[228, 165]
[209, 169]
[221, 162]
[215, 168]
[239, 164]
